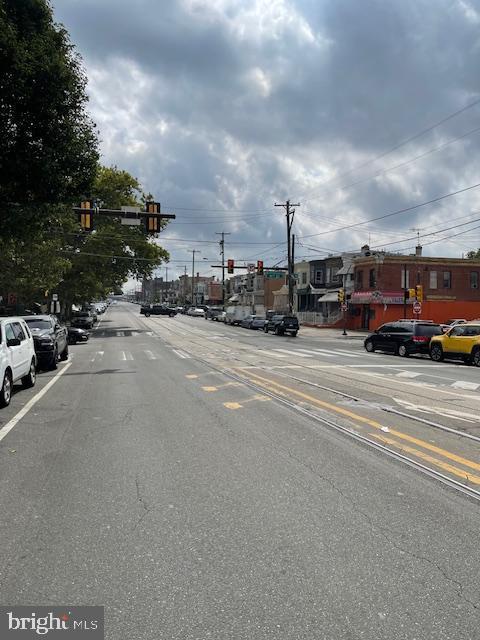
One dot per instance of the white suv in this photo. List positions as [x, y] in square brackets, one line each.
[17, 357]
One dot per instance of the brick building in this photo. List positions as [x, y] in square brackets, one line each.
[450, 288]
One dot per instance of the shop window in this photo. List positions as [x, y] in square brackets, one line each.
[447, 279]
[433, 280]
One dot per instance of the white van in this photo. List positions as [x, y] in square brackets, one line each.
[17, 357]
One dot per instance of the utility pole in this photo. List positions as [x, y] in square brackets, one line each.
[166, 283]
[290, 214]
[222, 253]
[193, 252]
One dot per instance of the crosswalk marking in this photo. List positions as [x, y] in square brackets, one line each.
[150, 355]
[271, 353]
[463, 384]
[180, 354]
[408, 374]
[294, 353]
[97, 356]
[318, 352]
[126, 355]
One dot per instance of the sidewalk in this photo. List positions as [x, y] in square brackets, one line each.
[333, 333]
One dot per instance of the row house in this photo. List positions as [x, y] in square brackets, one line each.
[254, 290]
[450, 288]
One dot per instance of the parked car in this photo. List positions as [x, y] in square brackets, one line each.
[74, 335]
[49, 339]
[196, 311]
[403, 338]
[258, 322]
[461, 342]
[220, 317]
[246, 323]
[82, 319]
[212, 312]
[17, 357]
[157, 310]
[282, 324]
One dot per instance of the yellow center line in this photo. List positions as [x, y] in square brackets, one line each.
[272, 386]
[424, 456]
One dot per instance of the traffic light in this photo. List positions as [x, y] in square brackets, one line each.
[419, 293]
[152, 224]
[230, 266]
[152, 207]
[260, 267]
[341, 296]
[409, 294]
[85, 217]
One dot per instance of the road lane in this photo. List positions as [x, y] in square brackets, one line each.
[136, 485]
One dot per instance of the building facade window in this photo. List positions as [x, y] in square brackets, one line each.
[405, 283]
[319, 276]
[433, 280]
[474, 279]
[371, 279]
[304, 278]
[359, 275]
[447, 279]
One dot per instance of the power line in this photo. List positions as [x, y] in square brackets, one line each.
[399, 145]
[394, 213]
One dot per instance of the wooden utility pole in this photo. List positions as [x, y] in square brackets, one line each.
[222, 253]
[290, 214]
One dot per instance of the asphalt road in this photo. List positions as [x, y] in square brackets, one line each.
[192, 505]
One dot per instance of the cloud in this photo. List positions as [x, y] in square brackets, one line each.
[235, 104]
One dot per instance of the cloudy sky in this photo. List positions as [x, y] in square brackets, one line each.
[354, 109]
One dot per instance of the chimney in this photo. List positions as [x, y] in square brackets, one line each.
[418, 250]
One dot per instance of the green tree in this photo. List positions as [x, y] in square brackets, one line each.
[474, 255]
[49, 151]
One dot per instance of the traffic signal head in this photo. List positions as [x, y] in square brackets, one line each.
[152, 223]
[419, 293]
[152, 207]
[230, 266]
[341, 295]
[260, 267]
[85, 217]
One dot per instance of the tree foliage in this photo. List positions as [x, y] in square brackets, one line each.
[49, 146]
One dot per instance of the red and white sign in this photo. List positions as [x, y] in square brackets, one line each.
[417, 307]
[344, 307]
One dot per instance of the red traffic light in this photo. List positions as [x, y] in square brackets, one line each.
[260, 267]
[230, 266]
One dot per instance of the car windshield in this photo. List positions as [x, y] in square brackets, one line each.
[38, 323]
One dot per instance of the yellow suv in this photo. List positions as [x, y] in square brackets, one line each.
[461, 342]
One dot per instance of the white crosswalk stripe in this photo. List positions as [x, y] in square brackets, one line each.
[126, 355]
[97, 356]
[294, 353]
[463, 384]
[265, 352]
[181, 354]
[318, 352]
[407, 374]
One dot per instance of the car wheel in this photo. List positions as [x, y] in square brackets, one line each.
[294, 334]
[29, 380]
[476, 357]
[147, 315]
[6, 390]
[64, 354]
[436, 353]
[402, 351]
[277, 331]
[171, 315]
[369, 346]
[265, 329]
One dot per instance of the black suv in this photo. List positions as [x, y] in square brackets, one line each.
[282, 324]
[82, 320]
[50, 340]
[403, 338]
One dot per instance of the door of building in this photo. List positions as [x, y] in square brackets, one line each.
[366, 316]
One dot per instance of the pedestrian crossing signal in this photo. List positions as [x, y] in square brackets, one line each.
[85, 216]
[230, 266]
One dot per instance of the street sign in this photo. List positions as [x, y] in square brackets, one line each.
[417, 307]
[251, 268]
[131, 222]
[54, 296]
[344, 307]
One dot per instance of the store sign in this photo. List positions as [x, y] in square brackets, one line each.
[378, 297]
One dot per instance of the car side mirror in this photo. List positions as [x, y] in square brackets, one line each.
[13, 342]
